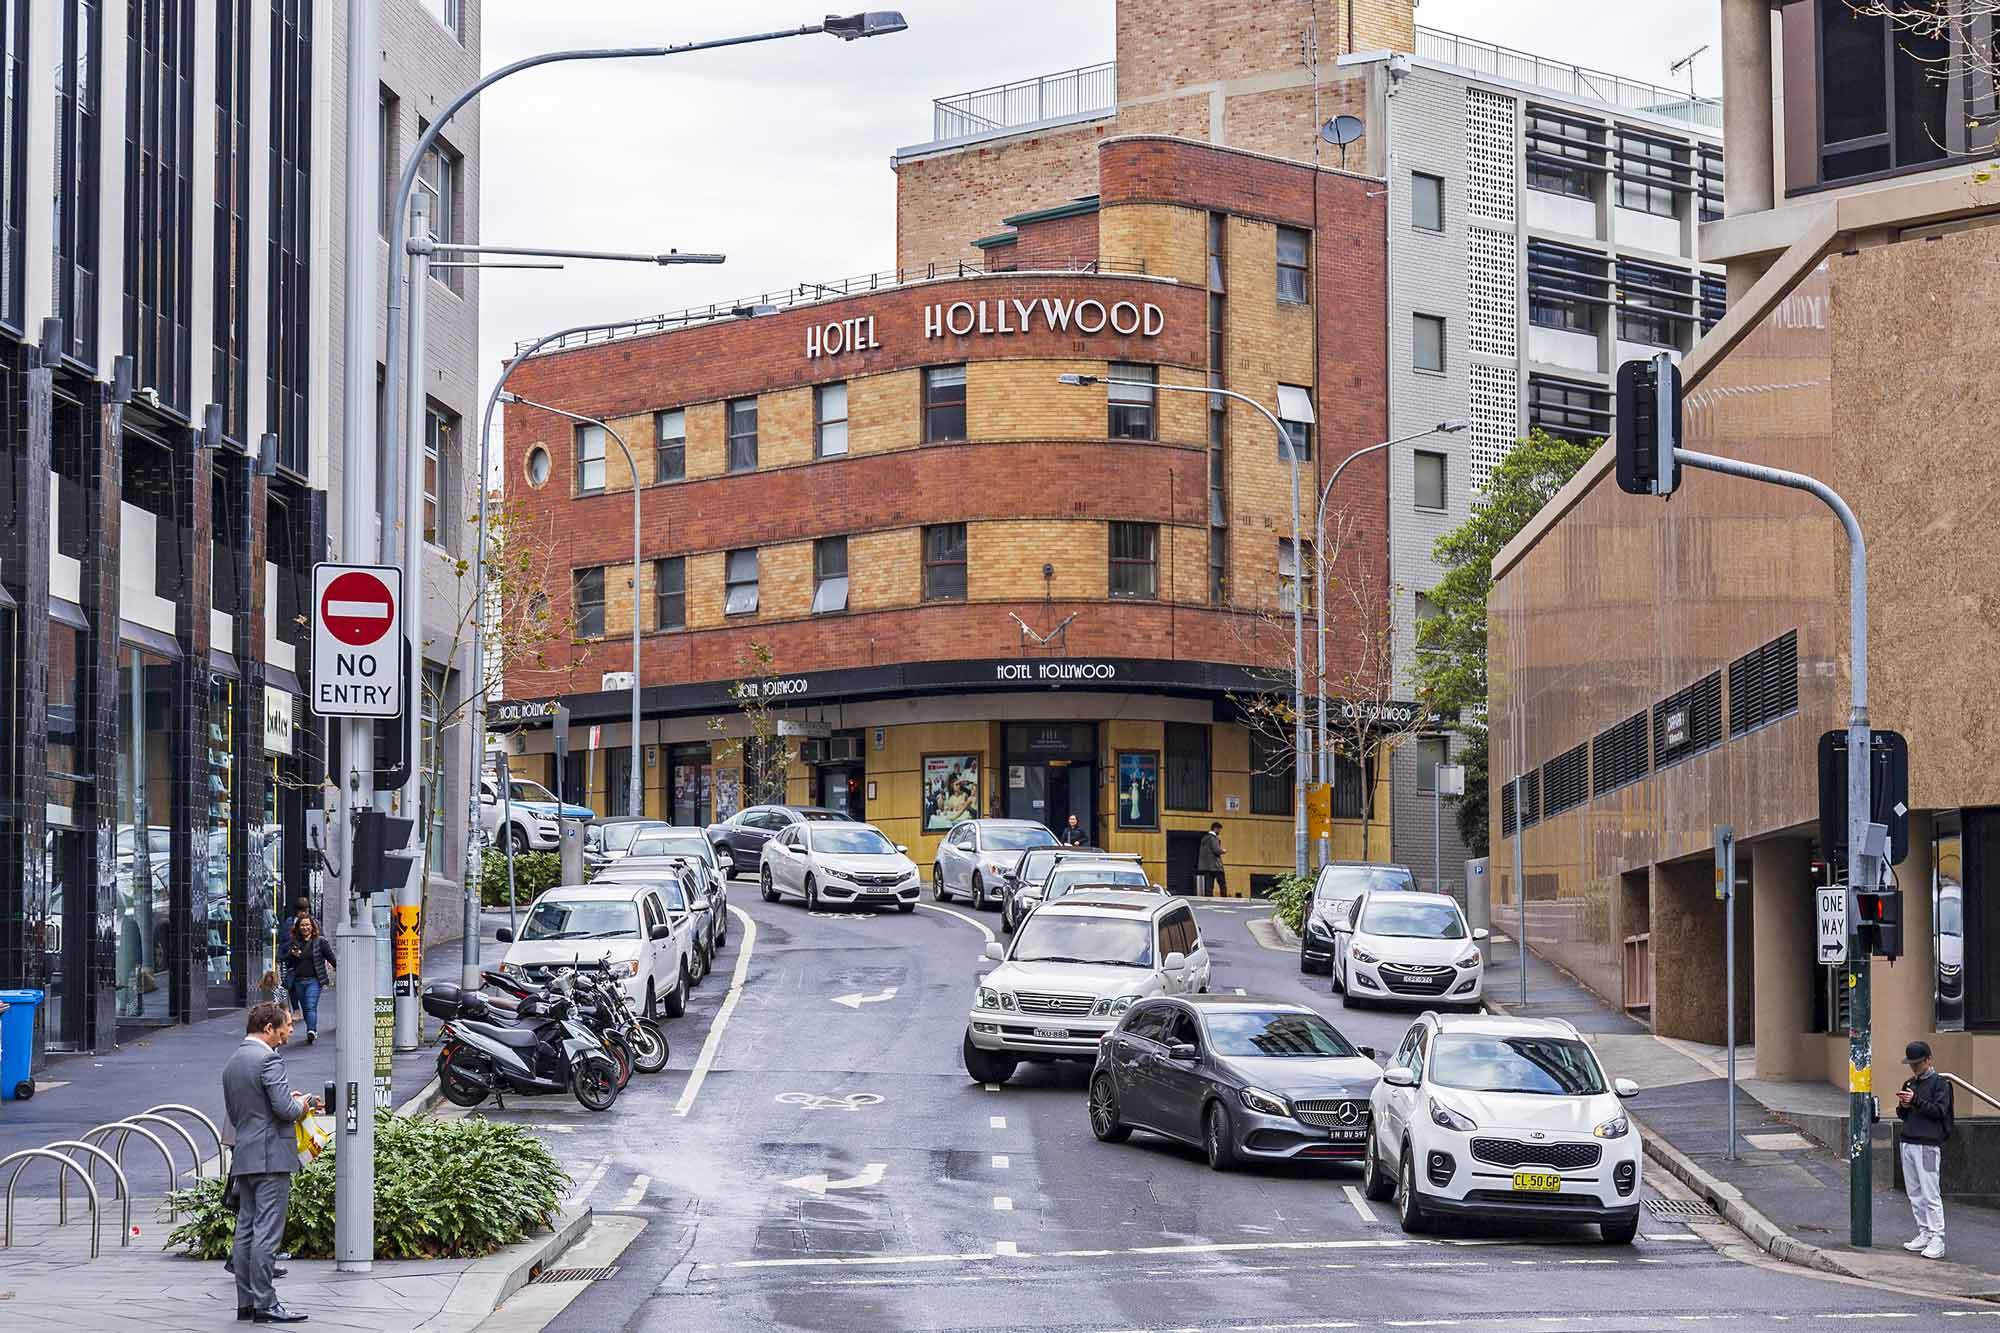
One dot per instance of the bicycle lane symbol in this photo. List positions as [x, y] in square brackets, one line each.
[813, 1101]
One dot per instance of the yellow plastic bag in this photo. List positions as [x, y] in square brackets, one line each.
[312, 1140]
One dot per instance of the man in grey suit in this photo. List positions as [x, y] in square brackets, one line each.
[262, 1110]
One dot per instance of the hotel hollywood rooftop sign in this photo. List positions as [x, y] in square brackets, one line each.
[996, 318]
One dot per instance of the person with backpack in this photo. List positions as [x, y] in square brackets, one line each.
[1924, 1107]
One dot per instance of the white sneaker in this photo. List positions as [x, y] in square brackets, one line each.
[1934, 1250]
[1918, 1242]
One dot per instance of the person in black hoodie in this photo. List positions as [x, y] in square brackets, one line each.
[1924, 1107]
[309, 964]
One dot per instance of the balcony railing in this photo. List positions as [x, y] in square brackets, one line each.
[1575, 80]
[1011, 106]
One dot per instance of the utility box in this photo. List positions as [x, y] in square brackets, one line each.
[572, 850]
[1478, 894]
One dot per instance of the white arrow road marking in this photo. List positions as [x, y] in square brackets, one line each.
[636, 1193]
[706, 1060]
[869, 1175]
[857, 999]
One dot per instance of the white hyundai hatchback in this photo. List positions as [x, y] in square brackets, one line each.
[1509, 1118]
[1407, 946]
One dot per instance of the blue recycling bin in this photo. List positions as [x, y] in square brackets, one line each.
[17, 1043]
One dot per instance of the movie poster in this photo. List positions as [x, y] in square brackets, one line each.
[951, 790]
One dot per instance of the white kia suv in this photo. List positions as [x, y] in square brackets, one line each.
[1510, 1118]
[1407, 946]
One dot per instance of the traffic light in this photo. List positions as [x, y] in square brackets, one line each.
[1888, 792]
[1649, 426]
[1881, 914]
[381, 852]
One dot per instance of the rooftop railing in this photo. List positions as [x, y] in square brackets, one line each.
[1575, 80]
[1010, 106]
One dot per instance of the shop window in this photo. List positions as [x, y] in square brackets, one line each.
[1426, 202]
[670, 442]
[1294, 265]
[1131, 405]
[944, 562]
[1138, 789]
[743, 435]
[1135, 560]
[1187, 766]
[1427, 342]
[1295, 414]
[670, 593]
[1430, 472]
[830, 419]
[589, 459]
[829, 575]
[221, 753]
[1271, 775]
[944, 404]
[144, 836]
[588, 588]
[740, 579]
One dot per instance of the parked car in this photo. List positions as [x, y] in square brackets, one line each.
[651, 950]
[691, 843]
[1070, 973]
[839, 865]
[1416, 947]
[1097, 872]
[1243, 1078]
[708, 901]
[975, 858]
[1334, 891]
[1508, 1118]
[531, 813]
[739, 840]
[1021, 887]
[606, 840]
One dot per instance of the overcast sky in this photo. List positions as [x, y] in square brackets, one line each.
[778, 154]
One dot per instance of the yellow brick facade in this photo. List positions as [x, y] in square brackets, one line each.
[1170, 241]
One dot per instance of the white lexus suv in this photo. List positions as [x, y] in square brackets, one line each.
[1510, 1118]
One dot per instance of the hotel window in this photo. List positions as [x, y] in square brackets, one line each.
[1426, 202]
[1135, 560]
[830, 419]
[829, 575]
[1131, 405]
[1271, 772]
[1567, 286]
[1565, 153]
[1427, 342]
[1295, 414]
[440, 177]
[670, 443]
[670, 598]
[944, 404]
[1652, 173]
[944, 562]
[440, 429]
[740, 583]
[589, 459]
[1294, 265]
[743, 435]
[1288, 575]
[589, 603]
[1430, 480]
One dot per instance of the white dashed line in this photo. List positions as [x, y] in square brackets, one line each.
[1001, 1161]
[706, 1060]
[996, 1122]
[1002, 1204]
[636, 1193]
[1006, 1247]
[991, 1087]
[1241, 991]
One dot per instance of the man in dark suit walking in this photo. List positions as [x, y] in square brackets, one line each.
[262, 1109]
[1208, 873]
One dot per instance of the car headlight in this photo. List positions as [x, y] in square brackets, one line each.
[989, 998]
[1317, 928]
[1446, 1118]
[1112, 1006]
[1360, 955]
[630, 967]
[511, 969]
[1264, 1103]
[1471, 959]
[1617, 1127]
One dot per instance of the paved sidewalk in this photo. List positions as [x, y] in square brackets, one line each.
[1786, 1192]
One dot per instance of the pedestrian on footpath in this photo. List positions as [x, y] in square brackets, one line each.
[1208, 874]
[1924, 1107]
[1073, 834]
[309, 967]
[262, 1110]
[302, 908]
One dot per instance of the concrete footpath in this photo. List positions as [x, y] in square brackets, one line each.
[1787, 1193]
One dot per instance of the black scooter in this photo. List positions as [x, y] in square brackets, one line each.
[601, 1005]
[546, 1051]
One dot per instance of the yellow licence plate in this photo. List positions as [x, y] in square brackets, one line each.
[1545, 1182]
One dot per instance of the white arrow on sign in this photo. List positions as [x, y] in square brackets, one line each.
[870, 1174]
[856, 1000]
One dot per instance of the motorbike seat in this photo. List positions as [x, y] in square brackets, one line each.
[519, 1038]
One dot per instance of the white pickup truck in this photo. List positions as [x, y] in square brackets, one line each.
[531, 814]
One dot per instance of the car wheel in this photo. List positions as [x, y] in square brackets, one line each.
[812, 894]
[937, 885]
[1409, 1212]
[652, 1009]
[1375, 1182]
[1619, 1233]
[1007, 914]
[677, 998]
[1104, 1121]
[978, 892]
[986, 1066]
[770, 890]
[1219, 1138]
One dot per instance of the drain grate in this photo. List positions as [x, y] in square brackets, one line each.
[575, 1274]
[1688, 1210]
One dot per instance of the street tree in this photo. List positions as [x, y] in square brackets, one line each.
[765, 754]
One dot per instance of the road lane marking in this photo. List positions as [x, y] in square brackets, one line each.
[1002, 1204]
[818, 1183]
[1006, 1247]
[1361, 1205]
[996, 1122]
[588, 1185]
[706, 1060]
[1241, 991]
[991, 1087]
[974, 922]
[636, 1193]
[1000, 1161]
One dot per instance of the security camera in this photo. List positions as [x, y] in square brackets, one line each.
[1048, 571]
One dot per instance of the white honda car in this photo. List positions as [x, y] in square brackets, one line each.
[1398, 945]
[1508, 1118]
[838, 865]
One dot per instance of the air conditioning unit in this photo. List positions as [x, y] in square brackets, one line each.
[812, 752]
[843, 750]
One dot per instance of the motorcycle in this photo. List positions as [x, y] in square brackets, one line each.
[602, 1006]
[545, 1050]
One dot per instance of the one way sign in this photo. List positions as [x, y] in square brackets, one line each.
[357, 641]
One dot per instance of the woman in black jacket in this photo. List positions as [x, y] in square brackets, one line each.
[308, 967]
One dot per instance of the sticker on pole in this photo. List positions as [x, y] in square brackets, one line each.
[1832, 904]
[357, 641]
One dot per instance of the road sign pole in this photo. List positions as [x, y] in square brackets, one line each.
[1725, 893]
[419, 794]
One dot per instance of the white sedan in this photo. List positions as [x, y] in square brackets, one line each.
[1412, 947]
[840, 865]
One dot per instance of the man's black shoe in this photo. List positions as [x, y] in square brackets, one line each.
[277, 1314]
[243, 1313]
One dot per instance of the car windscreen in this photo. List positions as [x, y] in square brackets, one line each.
[1350, 882]
[1066, 879]
[523, 790]
[1084, 939]
[1419, 916]
[1275, 1032]
[1551, 1066]
[617, 837]
[581, 919]
[691, 845]
[1035, 866]
[1018, 839]
[851, 842]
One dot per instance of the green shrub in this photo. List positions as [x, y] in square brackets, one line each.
[443, 1189]
[1291, 897]
[533, 872]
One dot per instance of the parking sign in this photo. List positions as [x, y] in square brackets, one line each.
[357, 641]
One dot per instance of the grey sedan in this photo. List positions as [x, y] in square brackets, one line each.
[1245, 1079]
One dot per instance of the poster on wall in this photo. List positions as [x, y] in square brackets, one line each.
[1138, 789]
[951, 790]
[728, 792]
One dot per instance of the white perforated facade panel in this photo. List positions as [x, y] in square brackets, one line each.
[1492, 152]
[1493, 303]
[1495, 411]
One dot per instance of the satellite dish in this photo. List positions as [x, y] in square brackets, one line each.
[1342, 130]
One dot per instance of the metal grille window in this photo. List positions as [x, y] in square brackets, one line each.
[944, 404]
[588, 592]
[1494, 299]
[1654, 302]
[1569, 409]
[1565, 780]
[1524, 791]
[829, 575]
[1427, 342]
[1507, 801]
[1764, 684]
[1566, 152]
[440, 431]
[740, 582]
[1430, 479]
[830, 419]
[1491, 155]
[1294, 265]
[670, 439]
[1688, 721]
[670, 593]
[1568, 287]
[743, 435]
[1187, 779]
[589, 459]
[1295, 414]
[1619, 755]
[1652, 172]
[1426, 201]
[1271, 773]
[13, 157]
[1350, 787]
[944, 562]
[1131, 405]
[1135, 560]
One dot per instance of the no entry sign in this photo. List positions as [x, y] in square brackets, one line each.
[357, 641]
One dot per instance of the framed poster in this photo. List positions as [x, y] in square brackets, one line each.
[951, 790]
[1139, 789]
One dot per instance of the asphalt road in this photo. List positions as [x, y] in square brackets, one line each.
[835, 1170]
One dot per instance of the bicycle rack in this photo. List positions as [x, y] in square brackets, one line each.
[194, 1149]
[126, 1129]
[124, 1188]
[221, 1149]
[96, 1213]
